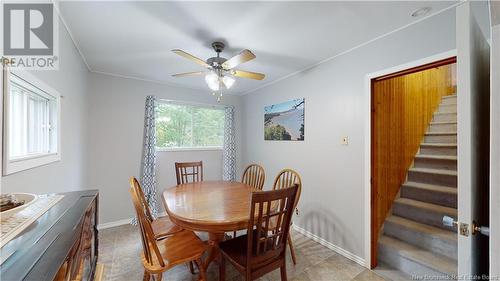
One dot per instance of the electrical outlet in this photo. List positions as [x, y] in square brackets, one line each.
[345, 141]
[297, 211]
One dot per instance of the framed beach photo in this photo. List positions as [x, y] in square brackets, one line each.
[285, 121]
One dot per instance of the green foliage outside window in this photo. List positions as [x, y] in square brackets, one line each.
[187, 126]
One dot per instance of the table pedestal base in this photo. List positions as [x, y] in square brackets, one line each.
[213, 253]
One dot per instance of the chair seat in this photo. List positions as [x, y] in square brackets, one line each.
[178, 248]
[163, 226]
[236, 249]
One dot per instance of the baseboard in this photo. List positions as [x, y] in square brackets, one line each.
[331, 246]
[113, 223]
[120, 222]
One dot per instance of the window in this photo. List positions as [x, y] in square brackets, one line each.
[185, 126]
[31, 119]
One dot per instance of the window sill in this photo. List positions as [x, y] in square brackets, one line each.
[173, 149]
[18, 165]
[32, 156]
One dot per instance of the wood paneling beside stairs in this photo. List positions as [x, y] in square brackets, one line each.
[402, 109]
[414, 240]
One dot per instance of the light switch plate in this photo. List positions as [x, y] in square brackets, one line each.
[345, 141]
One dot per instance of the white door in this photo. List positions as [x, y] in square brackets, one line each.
[473, 94]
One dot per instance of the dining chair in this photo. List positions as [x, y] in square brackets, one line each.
[284, 179]
[262, 249]
[161, 255]
[162, 226]
[188, 172]
[254, 176]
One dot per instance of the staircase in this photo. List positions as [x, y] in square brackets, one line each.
[414, 240]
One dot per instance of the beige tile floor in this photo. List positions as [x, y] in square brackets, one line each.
[120, 247]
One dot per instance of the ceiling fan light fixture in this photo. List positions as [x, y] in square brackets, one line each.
[221, 73]
[228, 81]
[212, 80]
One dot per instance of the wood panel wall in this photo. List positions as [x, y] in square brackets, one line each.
[402, 108]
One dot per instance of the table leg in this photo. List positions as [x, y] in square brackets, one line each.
[214, 254]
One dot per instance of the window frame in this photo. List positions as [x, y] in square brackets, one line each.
[19, 164]
[191, 148]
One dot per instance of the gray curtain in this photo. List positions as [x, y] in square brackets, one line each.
[148, 162]
[229, 154]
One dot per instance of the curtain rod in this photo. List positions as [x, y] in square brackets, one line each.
[195, 103]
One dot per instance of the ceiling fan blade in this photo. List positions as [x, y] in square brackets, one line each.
[240, 58]
[191, 57]
[248, 74]
[194, 73]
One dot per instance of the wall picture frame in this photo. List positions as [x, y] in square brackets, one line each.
[285, 121]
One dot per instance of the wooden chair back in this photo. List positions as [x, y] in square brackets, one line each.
[286, 178]
[265, 243]
[152, 254]
[187, 172]
[254, 176]
[142, 198]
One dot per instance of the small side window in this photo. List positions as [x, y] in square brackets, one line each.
[31, 123]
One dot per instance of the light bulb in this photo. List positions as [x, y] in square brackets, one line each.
[212, 81]
[228, 81]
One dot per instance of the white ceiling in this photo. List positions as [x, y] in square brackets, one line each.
[134, 39]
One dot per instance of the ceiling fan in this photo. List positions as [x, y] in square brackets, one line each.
[220, 71]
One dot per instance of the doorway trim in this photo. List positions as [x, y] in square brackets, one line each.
[367, 135]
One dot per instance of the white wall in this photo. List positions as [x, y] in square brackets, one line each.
[69, 173]
[116, 116]
[332, 205]
[495, 151]
[495, 141]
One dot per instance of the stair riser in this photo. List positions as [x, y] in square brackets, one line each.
[429, 196]
[447, 127]
[432, 163]
[452, 100]
[448, 117]
[423, 240]
[408, 266]
[406, 258]
[449, 151]
[421, 215]
[447, 108]
[429, 178]
[440, 139]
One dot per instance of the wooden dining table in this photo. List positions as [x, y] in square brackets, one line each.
[215, 207]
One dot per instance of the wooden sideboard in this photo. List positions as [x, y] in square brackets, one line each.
[60, 245]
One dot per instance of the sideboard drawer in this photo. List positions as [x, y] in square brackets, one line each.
[82, 259]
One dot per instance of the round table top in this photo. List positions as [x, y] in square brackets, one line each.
[211, 206]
